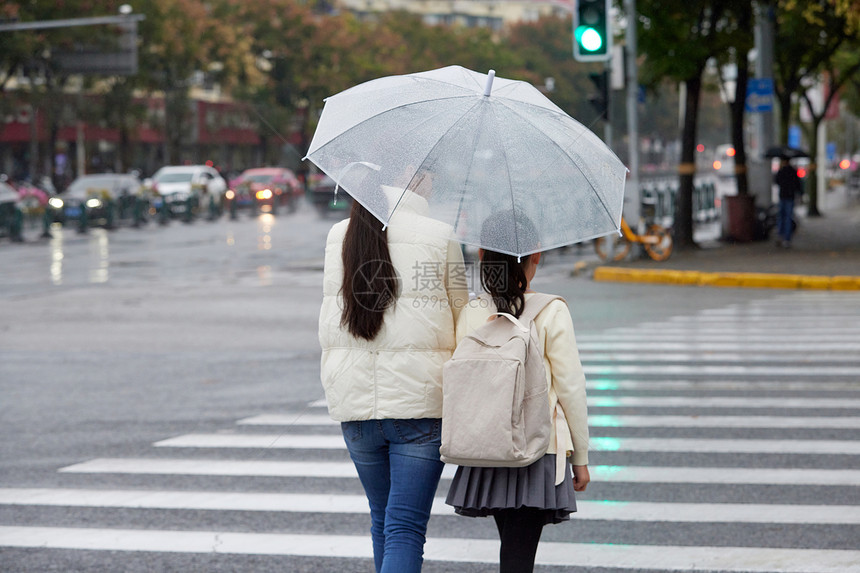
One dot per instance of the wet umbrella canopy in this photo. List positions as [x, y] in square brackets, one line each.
[472, 145]
[785, 152]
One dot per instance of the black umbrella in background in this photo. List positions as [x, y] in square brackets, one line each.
[785, 152]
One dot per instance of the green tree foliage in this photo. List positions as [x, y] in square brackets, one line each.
[816, 42]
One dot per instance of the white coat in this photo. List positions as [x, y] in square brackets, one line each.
[398, 374]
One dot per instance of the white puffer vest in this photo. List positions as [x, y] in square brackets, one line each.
[399, 373]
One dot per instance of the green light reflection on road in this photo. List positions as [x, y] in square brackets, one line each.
[605, 444]
[604, 421]
[604, 385]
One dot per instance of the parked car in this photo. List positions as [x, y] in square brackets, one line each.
[106, 198]
[321, 194]
[266, 189]
[199, 188]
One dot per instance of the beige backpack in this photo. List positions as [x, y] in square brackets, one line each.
[495, 407]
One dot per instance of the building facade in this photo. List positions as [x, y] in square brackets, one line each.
[494, 14]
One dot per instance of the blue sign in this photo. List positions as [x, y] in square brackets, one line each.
[759, 95]
[831, 151]
[794, 136]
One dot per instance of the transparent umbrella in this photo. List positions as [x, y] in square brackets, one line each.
[473, 146]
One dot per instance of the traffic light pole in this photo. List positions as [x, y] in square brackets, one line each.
[601, 99]
[607, 124]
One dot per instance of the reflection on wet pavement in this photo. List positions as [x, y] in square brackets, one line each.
[263, 250]
[266, 222]
[98, 259]
[57, 256]
[264, 273]
[99, 256]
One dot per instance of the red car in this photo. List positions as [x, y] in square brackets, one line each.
[266, 188]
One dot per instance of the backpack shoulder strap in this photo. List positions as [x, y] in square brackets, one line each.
[536, 303]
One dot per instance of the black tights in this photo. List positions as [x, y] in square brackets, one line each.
[519, 531]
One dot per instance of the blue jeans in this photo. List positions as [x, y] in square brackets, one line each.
[785, 218]
[398, 465]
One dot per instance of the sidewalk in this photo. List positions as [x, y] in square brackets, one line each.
[825, 254]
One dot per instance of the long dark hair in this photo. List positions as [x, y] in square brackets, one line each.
[504, 276]
[370, 283]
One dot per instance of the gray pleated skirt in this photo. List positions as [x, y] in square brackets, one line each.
[479, 492]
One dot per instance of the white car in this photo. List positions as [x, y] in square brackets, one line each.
[177, 184]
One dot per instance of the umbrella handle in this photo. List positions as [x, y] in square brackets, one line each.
[489, 87]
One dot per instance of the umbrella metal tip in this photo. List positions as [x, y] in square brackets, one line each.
[489, 87]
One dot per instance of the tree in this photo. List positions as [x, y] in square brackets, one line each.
[678, 37]
[741, 42]
[177, 39]
[120, 109]
[31, 53]
[816, 42]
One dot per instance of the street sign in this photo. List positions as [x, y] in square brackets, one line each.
[759, 95]
[794, 136]
[119, 59]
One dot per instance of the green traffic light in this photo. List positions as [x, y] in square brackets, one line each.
[588, 38]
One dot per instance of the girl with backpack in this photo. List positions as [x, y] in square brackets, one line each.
[390, 301]
[524, 499]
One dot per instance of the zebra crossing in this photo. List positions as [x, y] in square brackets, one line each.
[727, 440]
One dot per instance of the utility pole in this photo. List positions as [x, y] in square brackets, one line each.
[760, 177]
[633, 208]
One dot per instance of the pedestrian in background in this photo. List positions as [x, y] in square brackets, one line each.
[790, 187]
[391, 298]
[523, 500]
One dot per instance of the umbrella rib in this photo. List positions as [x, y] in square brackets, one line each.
[564, 151]
[510, 183]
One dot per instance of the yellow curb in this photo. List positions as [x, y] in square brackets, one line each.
[613, 274]
[845, 283]
[764, 280]
[815, 283]
[726, 280]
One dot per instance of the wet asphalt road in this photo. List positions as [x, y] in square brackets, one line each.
[113, 341]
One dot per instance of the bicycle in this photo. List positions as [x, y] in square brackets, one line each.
[657, 242]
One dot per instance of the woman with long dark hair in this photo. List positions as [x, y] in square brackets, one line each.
[391, 298]
[523, 500]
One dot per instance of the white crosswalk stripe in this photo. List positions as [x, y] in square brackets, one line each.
[725, 418]
[320, 469]
[662, 558]
[341, 503]
[326, 442]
